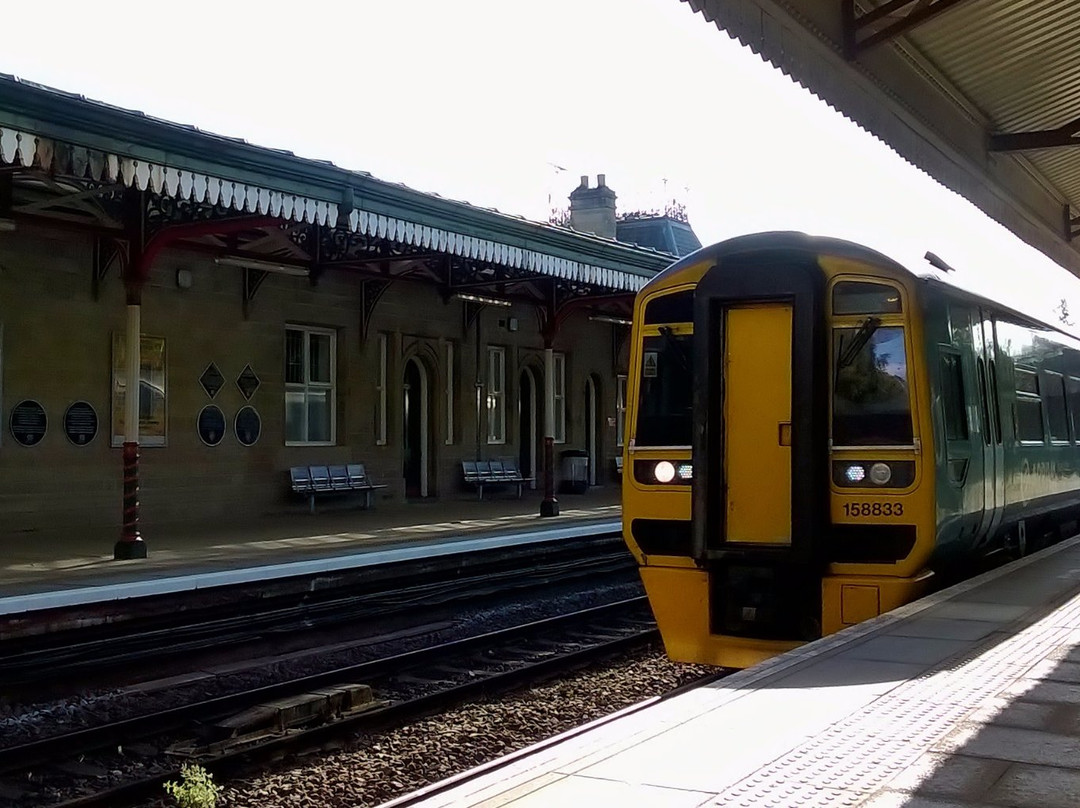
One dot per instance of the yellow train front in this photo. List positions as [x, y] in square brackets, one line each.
[776, 485]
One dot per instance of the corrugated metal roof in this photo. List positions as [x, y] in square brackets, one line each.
[1017, 62]
[961, 73]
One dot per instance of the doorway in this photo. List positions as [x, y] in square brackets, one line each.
[527, 425]
[592, 441]
[415, 429]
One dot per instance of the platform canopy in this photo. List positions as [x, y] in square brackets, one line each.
[984, 95]
[127, 178]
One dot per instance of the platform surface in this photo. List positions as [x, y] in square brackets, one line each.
[62, 569]
[970, 697]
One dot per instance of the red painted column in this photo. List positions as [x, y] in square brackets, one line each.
[549, 506]
[131, 544]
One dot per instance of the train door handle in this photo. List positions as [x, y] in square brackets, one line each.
[785, 433]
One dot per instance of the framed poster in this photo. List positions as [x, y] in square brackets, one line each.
[153, 394]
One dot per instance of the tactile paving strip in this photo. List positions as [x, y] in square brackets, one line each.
[855, 758]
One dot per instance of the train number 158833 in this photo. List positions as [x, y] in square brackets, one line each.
[873, 509]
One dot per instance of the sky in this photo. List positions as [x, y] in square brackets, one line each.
[505, 105]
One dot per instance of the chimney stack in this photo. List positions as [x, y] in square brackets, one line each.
[592, 210]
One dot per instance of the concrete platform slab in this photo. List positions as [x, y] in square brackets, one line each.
[961, 699]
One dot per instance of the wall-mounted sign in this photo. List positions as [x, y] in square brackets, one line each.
[248, 382]
[152, 391]
[211, 380]
[648, 365]
[28, 423]
[211, 425]
[80, 423]
[248, 426]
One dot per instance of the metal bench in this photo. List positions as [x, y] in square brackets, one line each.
[314, 481]
[480, 473]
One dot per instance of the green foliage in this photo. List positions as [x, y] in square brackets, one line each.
[196, 788]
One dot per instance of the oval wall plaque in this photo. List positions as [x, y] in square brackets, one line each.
[28, 422]
[211, 425]
[248, 426]
[80, 423]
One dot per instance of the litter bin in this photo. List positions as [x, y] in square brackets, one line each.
[575, 471]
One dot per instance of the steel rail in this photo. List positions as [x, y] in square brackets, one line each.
[397, 713]
[124, 732]
[49, 664]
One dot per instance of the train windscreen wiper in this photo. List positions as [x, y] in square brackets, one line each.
[678, 348]
[858, 342]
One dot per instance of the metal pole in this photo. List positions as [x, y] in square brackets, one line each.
[479, 387]
[549, 506]
[131, 544]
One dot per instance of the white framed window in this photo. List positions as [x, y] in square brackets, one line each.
[620, 410]
[310, 376]
[380, 393]
[559, 363]
[449, 394]
[496, 395]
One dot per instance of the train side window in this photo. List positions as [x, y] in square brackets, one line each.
[1029, 420]
[952, 397]
[1057, 417]
[859, 297]
[1072, 396]
[994, 405]
[986, 428]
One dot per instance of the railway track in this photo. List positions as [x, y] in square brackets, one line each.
[234, 733]
[29, 665]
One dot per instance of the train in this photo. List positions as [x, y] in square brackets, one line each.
[817, 435]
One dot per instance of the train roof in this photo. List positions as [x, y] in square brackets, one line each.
[794, 241]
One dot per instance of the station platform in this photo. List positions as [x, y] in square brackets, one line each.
[969, 697]
[40, 571]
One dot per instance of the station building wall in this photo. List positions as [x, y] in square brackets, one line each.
[56, 348]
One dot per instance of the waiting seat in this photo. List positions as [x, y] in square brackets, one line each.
[313, 481]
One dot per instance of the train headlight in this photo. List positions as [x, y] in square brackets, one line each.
[873, 473]
[664, 471]
[855, 473]
[880, 474]
[685, 471]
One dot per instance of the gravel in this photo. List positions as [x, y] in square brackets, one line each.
[20, 723]
[377, 768]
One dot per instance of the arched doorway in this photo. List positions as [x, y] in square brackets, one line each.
[415, 437]
[592, 439]
[527, 418]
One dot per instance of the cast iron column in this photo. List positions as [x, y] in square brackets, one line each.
[550, 505]
[131, 544]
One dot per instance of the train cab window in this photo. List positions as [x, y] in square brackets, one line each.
[871, 405]
[665, 406]
[1057, 415]
[1029, 419]
[952, 397]
[677, 307]
[859, 297]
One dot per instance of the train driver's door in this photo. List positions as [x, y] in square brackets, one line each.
[757, 424]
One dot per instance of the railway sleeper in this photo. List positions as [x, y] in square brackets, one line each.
[324, 704]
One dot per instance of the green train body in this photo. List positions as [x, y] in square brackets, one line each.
[1013, 479]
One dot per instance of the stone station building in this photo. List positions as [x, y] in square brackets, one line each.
[291, 313]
